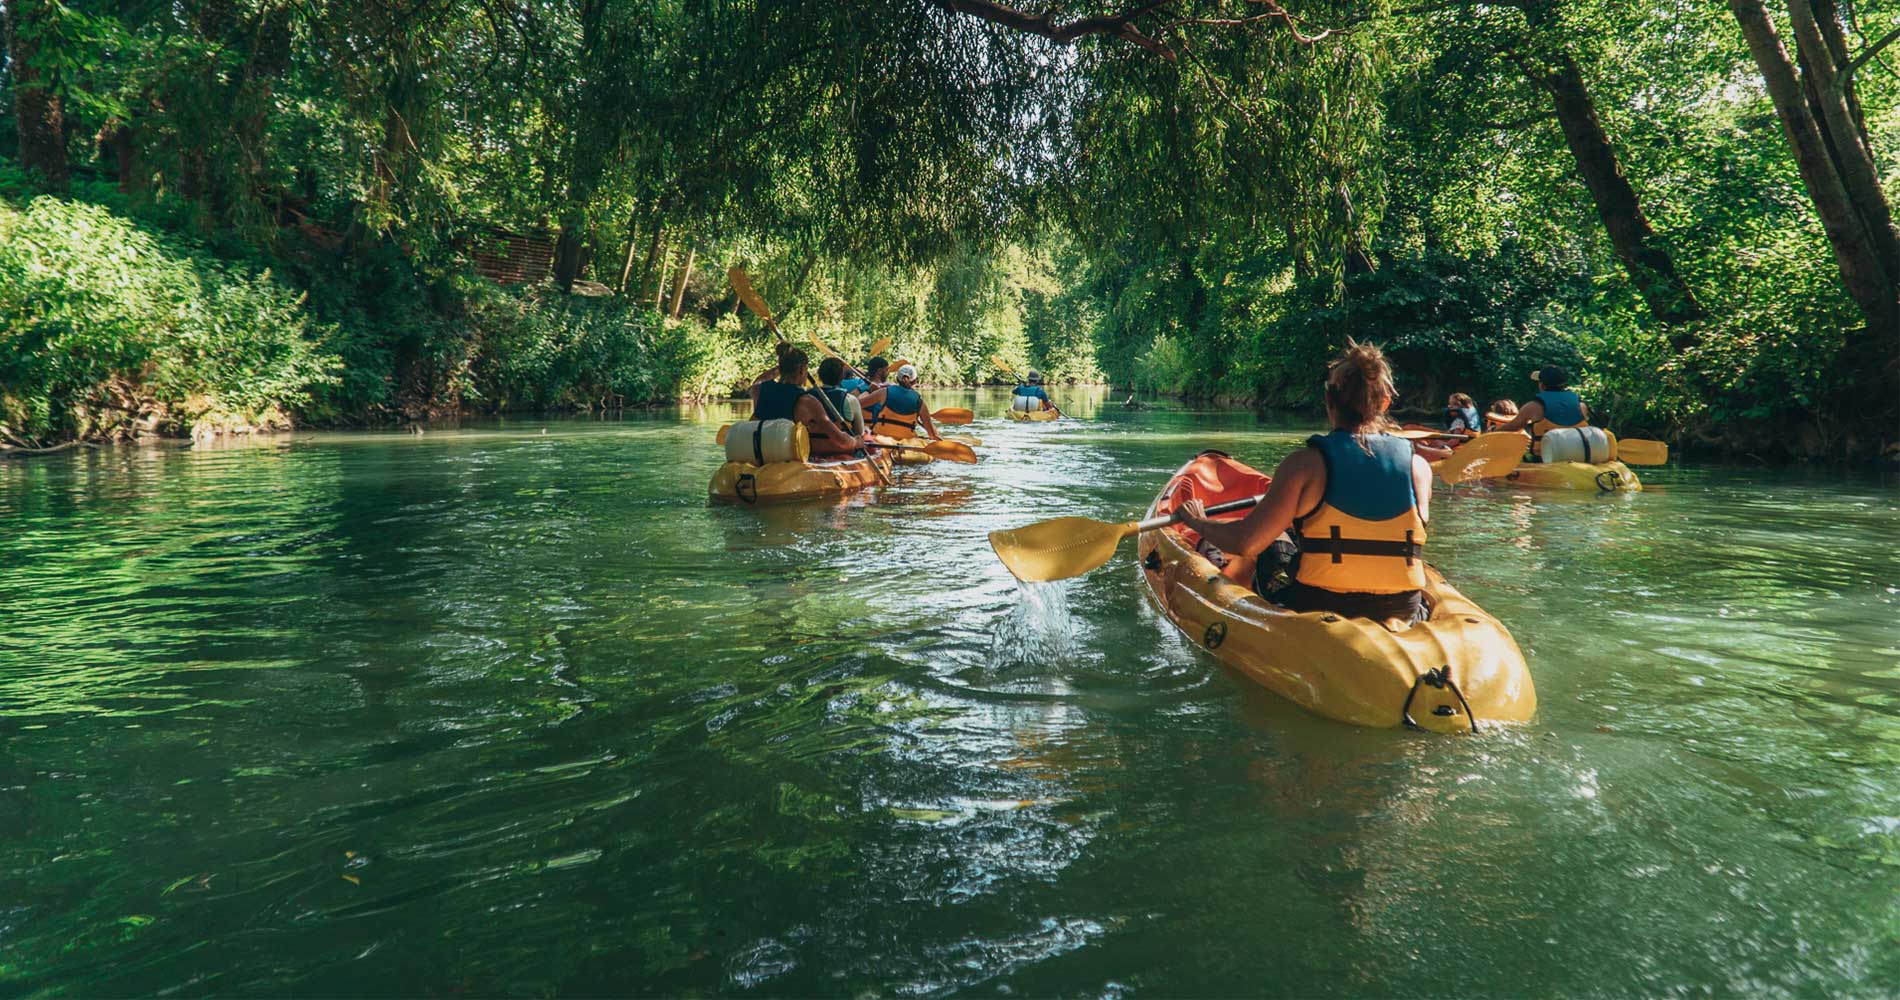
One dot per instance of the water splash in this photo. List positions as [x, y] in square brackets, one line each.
[1039, 633]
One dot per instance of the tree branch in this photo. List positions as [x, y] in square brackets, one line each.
[1118, 25]
[1871, 51]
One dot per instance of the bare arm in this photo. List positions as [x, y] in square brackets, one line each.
[1422, 487]
[812, 414]
[1531, 413]
[1297, 486]
[923, 417]
[871, 397]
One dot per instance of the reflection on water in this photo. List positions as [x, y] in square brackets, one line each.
[491, 710]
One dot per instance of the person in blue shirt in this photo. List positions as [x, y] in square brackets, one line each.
[869, 387]
[1030, 395]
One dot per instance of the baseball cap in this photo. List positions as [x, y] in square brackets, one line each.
[906, 371]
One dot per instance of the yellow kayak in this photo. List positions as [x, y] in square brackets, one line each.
[750, 484]
[1032, 414]
[1455, 672]
[1607, 477]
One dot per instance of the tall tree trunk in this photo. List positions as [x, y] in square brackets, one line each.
[567, 253]
[653, 250]
[633, 242]
[659, 287]
[1855, 254]
[1842, 135]
[679, 286]
[1643, 253]
[38, 113]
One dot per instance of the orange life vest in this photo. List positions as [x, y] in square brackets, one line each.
[1366, 535]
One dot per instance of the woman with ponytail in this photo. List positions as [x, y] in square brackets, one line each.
[1353, 502]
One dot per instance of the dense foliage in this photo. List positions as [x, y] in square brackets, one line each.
[1686, 201]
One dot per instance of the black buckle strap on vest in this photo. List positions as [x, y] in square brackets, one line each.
[1338, 547]
[1440, 679]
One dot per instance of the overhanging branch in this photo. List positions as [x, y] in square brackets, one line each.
[1120, 25]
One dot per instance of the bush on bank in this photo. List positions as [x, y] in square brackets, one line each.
[115, 325]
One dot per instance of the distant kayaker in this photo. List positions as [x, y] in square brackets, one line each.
[786, 398]
[1353, 503]
[1029, 396]
[1559, 421]
[1461, 420]
[1499, 413]
[869, 387]
[1461, 414]
[904, 409]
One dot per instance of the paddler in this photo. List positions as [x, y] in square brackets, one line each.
[1461, 421]
[1461, 415]
[869, 386]
[1559, 421]
[1499, 413]
[1354, 504]
[904, 408]
[786, 398]
[1029, 397]
[830, 379]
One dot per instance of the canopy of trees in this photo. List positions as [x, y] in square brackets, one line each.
[1687, 201]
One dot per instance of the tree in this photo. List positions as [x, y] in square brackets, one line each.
[38, 108]
[1855, 243]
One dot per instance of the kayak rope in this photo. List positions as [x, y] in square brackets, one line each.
[1440, 679]
[1616, 480]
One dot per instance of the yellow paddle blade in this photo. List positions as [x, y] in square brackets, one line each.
[1058, 549]
[883, 344]
[720, 438]
[743, 285]
[1003, 366]
[822, 349]
[974, 442]
[953, 415]
[954, 451]
[1487, 456]
[949, 451]
[1642, 451]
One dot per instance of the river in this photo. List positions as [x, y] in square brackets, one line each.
[512, 709]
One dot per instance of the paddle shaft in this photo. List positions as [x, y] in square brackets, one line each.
[1219, 508]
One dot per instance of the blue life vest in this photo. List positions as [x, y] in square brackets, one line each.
[902, 400]
[1461, 417]
[1034, 391]
[777, 401]
[1562, 408]
[855, 384]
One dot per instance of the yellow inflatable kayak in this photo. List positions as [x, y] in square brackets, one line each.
[750, 484]
[1456, 672]
[1607, 477]
[1032, 414]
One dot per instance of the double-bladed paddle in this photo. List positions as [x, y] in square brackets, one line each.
[1071, 546]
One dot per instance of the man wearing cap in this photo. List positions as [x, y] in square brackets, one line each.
[1029, 397]
[1559, 422]
[904, 408]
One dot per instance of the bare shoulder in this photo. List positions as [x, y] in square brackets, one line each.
[1303, 464]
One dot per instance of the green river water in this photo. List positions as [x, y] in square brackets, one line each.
[512, 709]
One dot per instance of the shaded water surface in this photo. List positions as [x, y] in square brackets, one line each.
[499, 711]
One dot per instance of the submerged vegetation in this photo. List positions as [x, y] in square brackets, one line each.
[229, 213]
